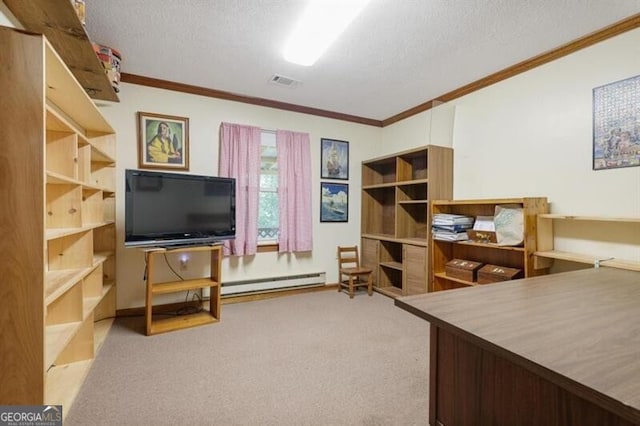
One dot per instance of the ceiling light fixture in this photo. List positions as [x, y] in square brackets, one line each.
[320, 25]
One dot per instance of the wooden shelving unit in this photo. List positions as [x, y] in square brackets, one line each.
[58, 226]
[154, 288]
[58, 21]
[509, 256]
[396, 228]
[629, 227]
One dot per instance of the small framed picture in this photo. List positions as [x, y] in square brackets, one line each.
[163, 141]
[335, 159]
[334, 202]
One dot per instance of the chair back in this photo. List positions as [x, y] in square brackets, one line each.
[348, 257]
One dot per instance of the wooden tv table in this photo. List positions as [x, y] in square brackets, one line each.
[551, 350]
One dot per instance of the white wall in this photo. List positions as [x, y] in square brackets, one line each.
[531, 135]
[205, 115]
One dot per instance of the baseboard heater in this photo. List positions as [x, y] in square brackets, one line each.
[274, 283]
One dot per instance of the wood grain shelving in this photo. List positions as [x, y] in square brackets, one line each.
[395, 215]
[58, 21]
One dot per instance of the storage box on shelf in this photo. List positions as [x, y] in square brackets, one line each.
[395, 216]
[494, 273]
[520, 257]
[58, 219]
[465, 270]
[605, 232]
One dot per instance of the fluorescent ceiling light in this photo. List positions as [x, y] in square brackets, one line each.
[320, 25]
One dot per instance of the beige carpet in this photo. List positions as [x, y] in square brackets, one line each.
[310, 359]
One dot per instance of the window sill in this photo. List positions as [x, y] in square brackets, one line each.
[267, 247]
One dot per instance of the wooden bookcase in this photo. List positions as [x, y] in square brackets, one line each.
[214, 282]
[606, 231]
[396, 223]
[57, 219]
[519, 257]
[58, 21]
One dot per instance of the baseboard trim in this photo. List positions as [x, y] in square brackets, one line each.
[225, 300]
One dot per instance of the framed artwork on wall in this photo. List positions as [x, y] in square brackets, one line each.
[335, 159]
[163, 141]
[616, 124]
[334, 202]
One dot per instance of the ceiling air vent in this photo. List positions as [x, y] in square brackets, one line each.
[281, 80]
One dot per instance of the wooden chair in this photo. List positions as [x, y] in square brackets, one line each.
[349, 267]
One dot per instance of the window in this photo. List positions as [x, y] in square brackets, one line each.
[268, 212]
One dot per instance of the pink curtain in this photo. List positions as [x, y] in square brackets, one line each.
[294, 191]
[240, 159]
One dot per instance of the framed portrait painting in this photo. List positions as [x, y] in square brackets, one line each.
[616, 124]
[334, 202]
[335, 159]
[163, 141]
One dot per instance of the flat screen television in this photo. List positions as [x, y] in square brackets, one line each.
[173, 209]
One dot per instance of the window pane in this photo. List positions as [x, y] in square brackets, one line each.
[269, 181]
[268, 212]
[268, 217]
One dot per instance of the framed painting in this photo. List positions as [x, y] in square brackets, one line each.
[334, 202]
[616, 124]
[335, 159]
[163, 141]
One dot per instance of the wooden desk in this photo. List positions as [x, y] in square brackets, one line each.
[560, 349]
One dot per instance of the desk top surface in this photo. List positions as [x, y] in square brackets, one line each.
[576, 329]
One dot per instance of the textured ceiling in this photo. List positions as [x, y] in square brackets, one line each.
[396, 55]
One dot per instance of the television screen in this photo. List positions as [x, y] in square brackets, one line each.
[167, 209]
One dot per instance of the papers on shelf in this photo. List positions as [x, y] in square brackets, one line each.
[484, 223]
[451, 227]
[449, 235]
[452, 219]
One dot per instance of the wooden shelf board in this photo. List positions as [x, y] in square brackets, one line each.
[58, 282]
[386, 237]
[414, 202]
[58, 178]
[392, 265]
[591, 218]
[394, 184]
[98, 155]
[457, 280]
[90, 303]
[53, 233]
[412, 182]
[175, 286]
[58, 21]
[590, 260]
[64, 381]
[413, 241]
[100, 331]
[390, 291]
[56, 339]
[380, 185]
[483, 202]
[182, 321]
[483, 245]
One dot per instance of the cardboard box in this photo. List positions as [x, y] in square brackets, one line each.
[494, 273]
[462, 269]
